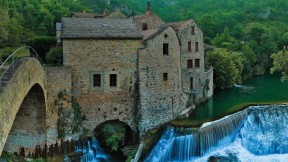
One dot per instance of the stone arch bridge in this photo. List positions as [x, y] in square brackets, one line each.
[29, 103]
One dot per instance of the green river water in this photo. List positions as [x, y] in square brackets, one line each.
[267, 89]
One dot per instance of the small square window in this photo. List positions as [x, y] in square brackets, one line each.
[193, 30]
[96, 80]
[144, 26]
[190, 63]
[113, 80]
[197, 62]
[165, 48]
[165, 76]
[196, 46]
[189, 46]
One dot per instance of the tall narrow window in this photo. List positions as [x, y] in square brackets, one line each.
[190, 63]
[113, 80]
[196, 46]
[96, 80]
[189, 46]
[165, 48]
[191, 83]
[165, 76]
[193, 30]
[197, 63]
[144, 26]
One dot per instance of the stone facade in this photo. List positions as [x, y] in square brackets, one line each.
[104, 57]
[194, 76]
[161, 98]
[151, 19]
[58, 82]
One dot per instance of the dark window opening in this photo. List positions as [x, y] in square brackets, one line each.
[144, 26]
[96, 80]
[113, 80]
[196, 46]
[165, 48]
[197, 63]
[189, 46]
[189, 63]
[191, 83]
[193, 30]
[165, 76]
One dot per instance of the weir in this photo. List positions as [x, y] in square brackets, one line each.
[260, 129]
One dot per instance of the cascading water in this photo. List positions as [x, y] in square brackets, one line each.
[246, 135]
[92, 151]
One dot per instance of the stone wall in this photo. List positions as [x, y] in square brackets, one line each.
[29, 126]
[58, 83]
[27, 73]
[104, 57]
[200, 79]
[160, 100]
[152, 20]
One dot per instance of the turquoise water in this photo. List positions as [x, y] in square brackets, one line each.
[266, 89]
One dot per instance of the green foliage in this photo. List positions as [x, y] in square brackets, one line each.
[114, 136]
[280, 63]
[55, 56]
[130, 152]
[42, 45]
[225, 70]
[77, 117]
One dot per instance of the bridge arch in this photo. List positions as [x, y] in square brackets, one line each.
[29, 126]
[23, 80]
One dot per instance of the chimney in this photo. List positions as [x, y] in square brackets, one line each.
[148, 10]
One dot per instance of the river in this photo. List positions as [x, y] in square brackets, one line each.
[267, 89]
[235, 131]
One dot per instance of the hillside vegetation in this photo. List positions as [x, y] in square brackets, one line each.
[248, 32]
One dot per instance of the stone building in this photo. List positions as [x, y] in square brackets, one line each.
[141, 71]
[102, 54]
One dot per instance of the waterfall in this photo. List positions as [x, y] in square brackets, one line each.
[91, 149]
[266, 131]
[259, 130]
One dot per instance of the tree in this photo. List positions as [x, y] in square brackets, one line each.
[4, 20]
[280, 63]
[225, 71]
[55, 56]
[42, 45]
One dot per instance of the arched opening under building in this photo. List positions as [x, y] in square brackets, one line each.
[29, 126]
[115, 135]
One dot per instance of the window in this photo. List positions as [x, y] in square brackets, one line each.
[144, 26]
[189, 46]
[96, 80]
[197, 63]
[165, 76]
[190, 63]
[193, 30]
[191, 83]
[196, 46]
[165, 48]
[113, 80]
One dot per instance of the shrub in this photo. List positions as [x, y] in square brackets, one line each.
[42, 45]
[55, 56]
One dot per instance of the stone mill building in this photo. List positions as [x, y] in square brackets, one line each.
[140, 70]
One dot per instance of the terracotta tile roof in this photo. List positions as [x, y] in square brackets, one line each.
[99, 28]
[182, 24]
[149, 34]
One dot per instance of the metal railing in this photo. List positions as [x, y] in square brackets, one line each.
[139, 152]
[11, 59]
